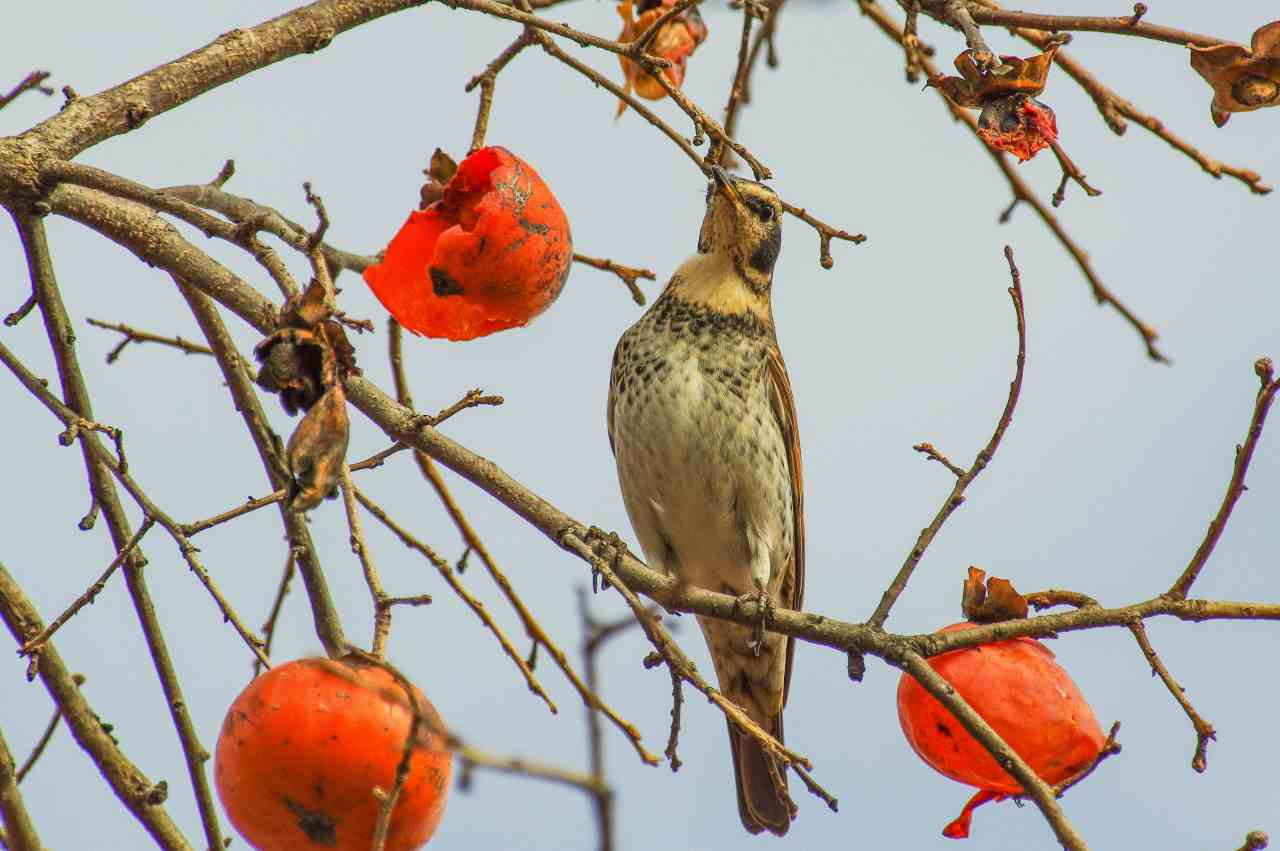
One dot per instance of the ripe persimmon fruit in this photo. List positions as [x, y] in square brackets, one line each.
[1025, 695]
[306, 744]
[490, 253]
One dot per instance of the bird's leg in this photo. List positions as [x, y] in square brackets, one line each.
[607, 545]
[764, 610]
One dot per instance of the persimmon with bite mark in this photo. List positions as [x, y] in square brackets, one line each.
[491, 253]
[1021, 691]
[304, 746]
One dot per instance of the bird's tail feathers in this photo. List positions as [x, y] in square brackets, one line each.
[763, 802]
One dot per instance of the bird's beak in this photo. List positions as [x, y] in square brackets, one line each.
[724, 184]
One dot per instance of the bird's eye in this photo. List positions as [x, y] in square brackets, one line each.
[765, 212]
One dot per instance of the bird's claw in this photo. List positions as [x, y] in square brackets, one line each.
[764, 608]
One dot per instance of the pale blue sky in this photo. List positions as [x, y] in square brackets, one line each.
[1105, 482]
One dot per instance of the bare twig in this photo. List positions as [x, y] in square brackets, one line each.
[32, 82]
[956, 497]
[486, 80]
[1110, 747]
[47, 736]
[1204, 730]
[470, 759]
[1069, 172]
[18, 315]
[934, 455]
[627, 274]
[381, 609]
[32, 648]
[133, 335]
[447, 573]
[1236, 487]
[957, 13]
[254, 503]
[826, 233]
[277, 605]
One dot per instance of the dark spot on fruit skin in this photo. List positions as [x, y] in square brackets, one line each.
[443, 284]
[944, 730]
[319, 827]
[532, 227]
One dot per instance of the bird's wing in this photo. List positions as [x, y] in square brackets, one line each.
[783, 404]
[613, 395]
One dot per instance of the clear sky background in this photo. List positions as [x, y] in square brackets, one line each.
[1105, 483]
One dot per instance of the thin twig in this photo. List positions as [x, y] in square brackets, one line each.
[627, 274]
[1110, 747]
[277, 605]
[254, 503]
[387, 799]
[1265, 371]
[956, 497]
[826, 233]
[487, 79]
[934, 455]
[33, 647]
[23, 309]
[381, 610]
[1204, 730]
[133, 335]
[47, 736]
[31, 82]
[470, 759]
[447, 573]
[1069, 172]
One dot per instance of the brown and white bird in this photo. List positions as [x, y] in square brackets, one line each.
[703, 427]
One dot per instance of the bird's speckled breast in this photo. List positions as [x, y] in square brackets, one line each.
[694, 433]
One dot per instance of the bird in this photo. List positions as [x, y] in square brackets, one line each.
[702, 423]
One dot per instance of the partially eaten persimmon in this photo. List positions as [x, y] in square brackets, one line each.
[490, 254]
[1021, 691]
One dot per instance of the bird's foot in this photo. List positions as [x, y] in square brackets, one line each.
[764, 610]
[608, 546]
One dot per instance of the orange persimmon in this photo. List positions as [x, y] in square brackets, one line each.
[1025, 695]
[304, 746]
[492, 253]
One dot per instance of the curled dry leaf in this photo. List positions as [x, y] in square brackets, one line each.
[675, 42]
[989, 601]
[1011, 119]
[317, 449]
[491, 253]
[1243, 79]
[305, 362]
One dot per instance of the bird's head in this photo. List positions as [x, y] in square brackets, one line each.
[743, 224]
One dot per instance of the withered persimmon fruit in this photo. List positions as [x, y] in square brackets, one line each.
[1025, 695]
[491, 254]
[305, 744]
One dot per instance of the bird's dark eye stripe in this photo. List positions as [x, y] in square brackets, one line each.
[761, 208]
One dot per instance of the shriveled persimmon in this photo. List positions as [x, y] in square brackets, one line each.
[305, 746]
[1025, 695]
[490, 253]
